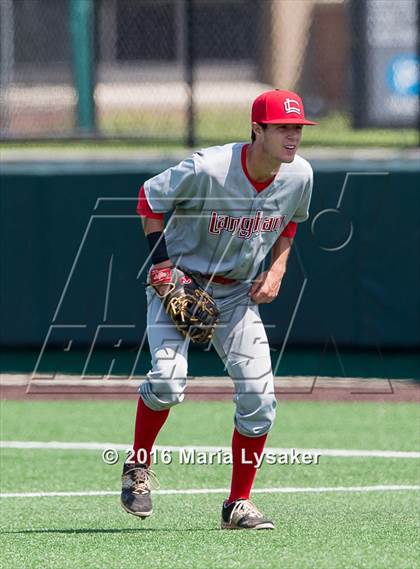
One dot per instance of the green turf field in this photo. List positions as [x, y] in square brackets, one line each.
[336, 529]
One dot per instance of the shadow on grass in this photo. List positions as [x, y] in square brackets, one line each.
[111, 530]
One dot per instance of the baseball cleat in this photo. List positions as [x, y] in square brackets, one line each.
[136, 489]
[242, 514]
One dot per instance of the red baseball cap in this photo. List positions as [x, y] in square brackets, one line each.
[279, 107]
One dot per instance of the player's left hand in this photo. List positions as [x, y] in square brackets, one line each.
[265, 287]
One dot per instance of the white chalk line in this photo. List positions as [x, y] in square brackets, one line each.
[342, 453]
[192, 491]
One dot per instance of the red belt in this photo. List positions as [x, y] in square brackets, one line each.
[219, 279]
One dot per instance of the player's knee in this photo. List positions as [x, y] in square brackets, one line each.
[255, 415]
[165, 384]
[169, 399]
[162, 396]
[169, 370]
[168, 364]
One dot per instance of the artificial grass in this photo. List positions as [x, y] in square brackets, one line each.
[382, 426]
[376, 530]
[335, 530]
[84, 471]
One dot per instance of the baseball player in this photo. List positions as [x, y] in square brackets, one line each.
[231, 205]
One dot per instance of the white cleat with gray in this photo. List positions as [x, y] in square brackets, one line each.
[242, 514]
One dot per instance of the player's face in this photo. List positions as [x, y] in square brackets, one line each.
[281, 141]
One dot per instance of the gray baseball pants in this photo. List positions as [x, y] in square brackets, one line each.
[240, 341]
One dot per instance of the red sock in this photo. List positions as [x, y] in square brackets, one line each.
[243, 475]
[148, 425]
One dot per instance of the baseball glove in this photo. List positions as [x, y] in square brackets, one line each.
[190, 307]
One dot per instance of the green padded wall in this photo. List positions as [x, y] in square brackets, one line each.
[72, 249]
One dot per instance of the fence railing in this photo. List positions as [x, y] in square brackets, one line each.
[186, 71]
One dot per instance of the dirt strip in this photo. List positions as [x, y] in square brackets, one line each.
[20, 387]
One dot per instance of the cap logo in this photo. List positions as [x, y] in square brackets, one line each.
[292, 106]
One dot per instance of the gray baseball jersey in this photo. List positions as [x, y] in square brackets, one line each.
[221, 224]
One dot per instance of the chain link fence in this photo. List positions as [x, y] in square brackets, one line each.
[186, 71]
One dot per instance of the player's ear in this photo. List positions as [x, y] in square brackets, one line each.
[256, 129]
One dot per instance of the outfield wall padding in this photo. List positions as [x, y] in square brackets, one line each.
[73, 258]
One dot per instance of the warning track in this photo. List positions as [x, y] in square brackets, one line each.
[15, 386]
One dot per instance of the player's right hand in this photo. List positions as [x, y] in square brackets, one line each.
[265, 287]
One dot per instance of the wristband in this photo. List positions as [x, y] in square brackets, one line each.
[161, 276]
[157, 246]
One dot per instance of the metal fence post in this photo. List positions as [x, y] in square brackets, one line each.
[189, 70]
[7, 59]
[359, 83]
[418, 71]
[82, 39]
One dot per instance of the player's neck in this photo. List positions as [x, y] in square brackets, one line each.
[260, 166]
